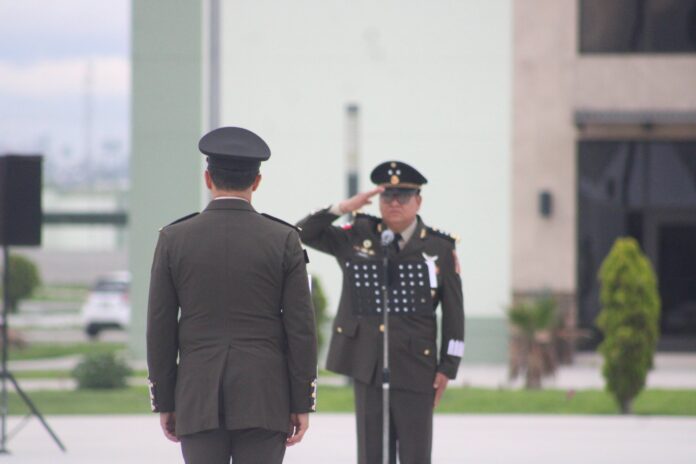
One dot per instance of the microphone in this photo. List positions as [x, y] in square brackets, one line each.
[387, 237]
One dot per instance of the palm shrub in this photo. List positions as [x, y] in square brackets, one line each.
[533, 324]
[629, 320]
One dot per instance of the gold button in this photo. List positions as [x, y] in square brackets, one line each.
[381, 327]
[426, 352]
[314, 395]
[339, 329]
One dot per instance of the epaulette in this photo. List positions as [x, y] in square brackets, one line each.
[440, 233]
[298, 229]
[181, 219]
[273, 218]
[376, 221]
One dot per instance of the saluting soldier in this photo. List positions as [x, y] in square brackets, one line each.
[419, 375]
[231, 342]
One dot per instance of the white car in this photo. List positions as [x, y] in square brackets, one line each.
[108, 304]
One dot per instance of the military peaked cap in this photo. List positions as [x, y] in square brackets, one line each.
[234, 149]
[397, 174]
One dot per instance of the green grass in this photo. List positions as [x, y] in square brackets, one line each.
[57, 350]
[61, 374]
[76, 293]
[43, 375]
[650, 402]
[135, 400]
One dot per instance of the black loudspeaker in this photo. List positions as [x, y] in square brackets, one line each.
[20, 200]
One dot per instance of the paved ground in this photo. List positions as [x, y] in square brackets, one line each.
[458, 439]
[672, 370]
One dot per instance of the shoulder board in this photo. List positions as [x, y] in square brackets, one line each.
[273, 218]
[369, 217]
[440, 233]
[181, 219]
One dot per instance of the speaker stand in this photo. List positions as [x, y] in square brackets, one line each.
[6, 375]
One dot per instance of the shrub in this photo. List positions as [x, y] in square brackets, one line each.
[319, 302]
[101, 371]
[629, 320]
[24, 278]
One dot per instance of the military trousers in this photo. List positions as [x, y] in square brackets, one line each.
[244, 446]
[410, 428]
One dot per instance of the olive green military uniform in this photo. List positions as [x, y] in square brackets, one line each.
[231, 342]
[356, 344]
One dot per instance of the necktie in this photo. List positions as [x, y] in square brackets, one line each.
[397, 239]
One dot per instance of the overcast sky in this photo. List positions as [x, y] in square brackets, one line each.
[45, 48]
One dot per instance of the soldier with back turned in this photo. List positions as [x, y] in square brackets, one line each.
[231, 342]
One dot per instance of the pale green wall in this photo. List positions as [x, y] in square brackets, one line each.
[167, 83]
[433, 82]
[463, 143]
[486, 340]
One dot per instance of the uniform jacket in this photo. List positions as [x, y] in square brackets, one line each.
[230, 324]
[356, 344]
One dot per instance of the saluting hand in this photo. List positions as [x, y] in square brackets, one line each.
[168, 424]
[358, 201]
[299, 423]
[439, 385]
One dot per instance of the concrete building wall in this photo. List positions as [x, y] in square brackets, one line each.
[166, 122]
[653, 82]
[552, 80]
[543, 249]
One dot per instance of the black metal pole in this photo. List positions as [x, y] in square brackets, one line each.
[5, 309]
[34, 410]
[385, 353]
[6, 374]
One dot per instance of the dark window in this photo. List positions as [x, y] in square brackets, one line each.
[637, 26]
[645, 189]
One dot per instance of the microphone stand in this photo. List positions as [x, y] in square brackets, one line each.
[386, 241]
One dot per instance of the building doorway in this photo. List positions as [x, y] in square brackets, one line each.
[647, 190]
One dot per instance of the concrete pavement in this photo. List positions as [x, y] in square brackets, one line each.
[672, 370]
[466, 439]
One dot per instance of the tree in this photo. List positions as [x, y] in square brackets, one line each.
[629, 320]
[24, 278]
